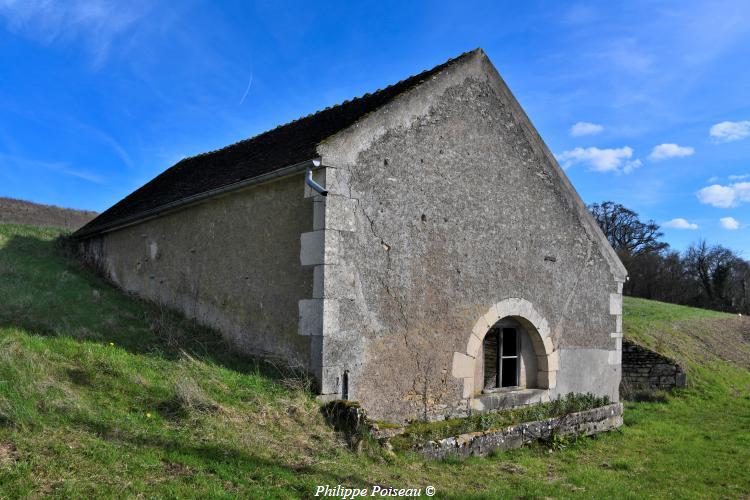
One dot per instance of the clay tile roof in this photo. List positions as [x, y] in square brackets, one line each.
[283, 146]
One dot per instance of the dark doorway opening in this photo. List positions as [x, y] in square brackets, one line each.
[501, 358]
[345, 385]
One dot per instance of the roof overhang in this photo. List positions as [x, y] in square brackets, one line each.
[161, 210]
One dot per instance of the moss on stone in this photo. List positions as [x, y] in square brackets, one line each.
[420, 432]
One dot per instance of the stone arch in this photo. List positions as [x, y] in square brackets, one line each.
[538, 330]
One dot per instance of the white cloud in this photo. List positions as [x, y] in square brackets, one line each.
[664, 151]
[680, 223]
[585, 128]
[97, 22]
[729, 223]
[738, 177]
[631, 165]
[730, 131]
[725, 196]
[601, 160]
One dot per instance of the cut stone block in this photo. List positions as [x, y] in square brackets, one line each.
[549, 363]
[615, 303]
[549, 347]
[549, 381]
[312, 248]
[463, 365]
[615, 357]
[318, 281]
[340, 213]
[473, 347]
[480, 328]
[319, 213]
[468, 387]
[317, 315]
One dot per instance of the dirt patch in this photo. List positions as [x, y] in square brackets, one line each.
[177, 469]
[512, 468]
[727, 338]
[8, 454]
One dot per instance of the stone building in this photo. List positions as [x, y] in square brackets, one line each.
[436, 261]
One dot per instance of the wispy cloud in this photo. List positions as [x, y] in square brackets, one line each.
[666, 151]
[585, 128]
[729, 223]
[107, 139]
[12, 161]
[626, 54]
[601, 160]
[725, 196]
[96, 23]
[247, 90]
[680, 223]
[730, 131]
[738, 177]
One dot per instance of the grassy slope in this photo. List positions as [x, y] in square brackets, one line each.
[14, 211]
[102, 394]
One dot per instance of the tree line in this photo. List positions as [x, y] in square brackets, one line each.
[703, 275]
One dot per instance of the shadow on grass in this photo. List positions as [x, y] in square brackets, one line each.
[248, 466]
[46, 291]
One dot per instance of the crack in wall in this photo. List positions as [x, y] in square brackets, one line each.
[383, 283]
[573, 290]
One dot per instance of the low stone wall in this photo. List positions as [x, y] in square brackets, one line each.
[643, 368]
[482, 443]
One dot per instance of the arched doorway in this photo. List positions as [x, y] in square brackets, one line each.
[508, 359]
[536, 359]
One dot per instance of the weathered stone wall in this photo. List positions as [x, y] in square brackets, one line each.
[585, 423]
[231, 262]
[643, 368]
[453, 205]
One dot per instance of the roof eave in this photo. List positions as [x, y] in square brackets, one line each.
[153, 213]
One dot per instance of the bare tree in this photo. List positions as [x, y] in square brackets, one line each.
[713, 267]
[739, 288]
[704, 275]
[626, 233]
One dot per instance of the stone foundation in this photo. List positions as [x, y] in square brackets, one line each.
[585, 423]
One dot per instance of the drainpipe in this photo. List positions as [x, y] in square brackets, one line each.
[314, 185]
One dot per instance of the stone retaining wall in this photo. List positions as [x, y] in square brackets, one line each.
[482, 443]
[643, 368]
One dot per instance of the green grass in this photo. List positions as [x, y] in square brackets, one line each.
[103, 395]
[712, 346]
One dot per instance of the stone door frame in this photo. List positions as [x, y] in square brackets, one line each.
[523, 311]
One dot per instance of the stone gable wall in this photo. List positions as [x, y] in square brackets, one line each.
[453, 206]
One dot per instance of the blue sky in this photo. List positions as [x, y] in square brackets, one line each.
[644, 103]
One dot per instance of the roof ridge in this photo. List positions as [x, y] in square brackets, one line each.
[286, 144]
[444, 65]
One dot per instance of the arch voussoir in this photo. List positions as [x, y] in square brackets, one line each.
[548, 359]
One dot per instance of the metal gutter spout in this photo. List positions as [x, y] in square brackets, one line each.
[314, 185]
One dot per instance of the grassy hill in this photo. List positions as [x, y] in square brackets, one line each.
[14, 211]
[102, 394]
